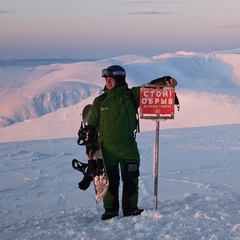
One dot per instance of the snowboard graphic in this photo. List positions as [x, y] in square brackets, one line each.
[95, 168]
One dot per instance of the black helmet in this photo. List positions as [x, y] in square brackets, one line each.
[117, 72]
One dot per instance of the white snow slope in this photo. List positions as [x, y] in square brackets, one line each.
[199, 191]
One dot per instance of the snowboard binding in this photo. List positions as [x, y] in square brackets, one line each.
[92, 168]
[89, 170]
[82, 134]
[80, 166]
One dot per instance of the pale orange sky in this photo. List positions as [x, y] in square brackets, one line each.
[104, 28]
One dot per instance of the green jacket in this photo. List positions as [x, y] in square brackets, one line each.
[115, 117]
[115, 120]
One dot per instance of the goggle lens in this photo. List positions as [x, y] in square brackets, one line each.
[109, 73]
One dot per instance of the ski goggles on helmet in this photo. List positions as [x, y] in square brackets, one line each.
[109, 73]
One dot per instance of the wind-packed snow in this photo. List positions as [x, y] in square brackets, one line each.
[198, 188]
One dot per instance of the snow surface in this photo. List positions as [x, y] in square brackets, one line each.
[199, 191]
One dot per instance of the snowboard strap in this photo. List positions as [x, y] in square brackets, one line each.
[93, 168]
[81, 167]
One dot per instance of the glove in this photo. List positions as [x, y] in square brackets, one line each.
[88, 150]
[91, 149]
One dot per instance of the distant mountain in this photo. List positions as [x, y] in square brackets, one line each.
[35, 91]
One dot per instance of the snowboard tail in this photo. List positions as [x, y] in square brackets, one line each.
[101, 182]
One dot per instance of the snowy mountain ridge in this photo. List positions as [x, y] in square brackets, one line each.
[205, 81]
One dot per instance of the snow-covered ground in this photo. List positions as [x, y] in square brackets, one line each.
[198, 192]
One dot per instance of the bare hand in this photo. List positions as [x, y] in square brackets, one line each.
[90, 154]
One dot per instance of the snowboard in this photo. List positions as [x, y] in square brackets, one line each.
[95, 167]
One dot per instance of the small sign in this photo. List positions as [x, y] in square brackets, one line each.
[157, 101]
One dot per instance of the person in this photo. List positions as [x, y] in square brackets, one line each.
[113, 119]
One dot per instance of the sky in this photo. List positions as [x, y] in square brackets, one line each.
[107, 28]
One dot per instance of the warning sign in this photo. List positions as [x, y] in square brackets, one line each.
[157, 101]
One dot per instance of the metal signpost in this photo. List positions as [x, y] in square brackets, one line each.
[156, 103]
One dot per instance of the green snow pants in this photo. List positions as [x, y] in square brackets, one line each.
[126, 158]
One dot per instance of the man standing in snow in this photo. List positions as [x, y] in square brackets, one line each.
[114, 118]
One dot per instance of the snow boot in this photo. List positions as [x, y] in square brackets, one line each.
[132, 212]
[109, 214]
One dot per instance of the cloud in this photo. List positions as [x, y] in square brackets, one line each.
[228, 27]
[150, 13]
[4, 12]
[156, 2]
[150, 2]
[1, 12]
[4, 6]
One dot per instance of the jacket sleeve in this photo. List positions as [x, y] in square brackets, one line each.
[136, 94]
[162, 81]
[166, 80]
[95, 114]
